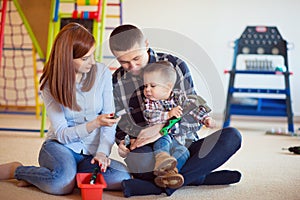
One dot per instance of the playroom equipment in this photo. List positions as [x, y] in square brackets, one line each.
[260, 54]
[2, 23]
[22, 57]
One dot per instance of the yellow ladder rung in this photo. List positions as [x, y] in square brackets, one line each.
[65, 15]
[113, 16]
[68, 1]
[87, 2]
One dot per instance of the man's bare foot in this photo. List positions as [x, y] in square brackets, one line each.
[7, 171]
[22, 183]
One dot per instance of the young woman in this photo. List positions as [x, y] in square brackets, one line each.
[77, 93]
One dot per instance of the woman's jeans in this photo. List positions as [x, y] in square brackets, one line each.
[58, 168]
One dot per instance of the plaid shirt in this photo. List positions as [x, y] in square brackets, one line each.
[156, 112]
[128, 95]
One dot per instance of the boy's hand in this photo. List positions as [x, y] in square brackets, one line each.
[175, 112]
[210, 122]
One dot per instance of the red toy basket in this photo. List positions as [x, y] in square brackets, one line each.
[90, 191]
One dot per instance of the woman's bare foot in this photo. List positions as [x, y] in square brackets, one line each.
[22, 183]
[7, 171]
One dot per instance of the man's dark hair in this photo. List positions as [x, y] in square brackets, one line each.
[124, 37]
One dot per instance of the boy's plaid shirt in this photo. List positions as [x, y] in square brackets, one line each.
[156, 112]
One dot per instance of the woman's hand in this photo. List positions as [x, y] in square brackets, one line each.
[106, 120]
[102, 160]
[122, 149]
[102, 120]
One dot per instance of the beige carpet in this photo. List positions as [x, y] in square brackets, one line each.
[268, 172]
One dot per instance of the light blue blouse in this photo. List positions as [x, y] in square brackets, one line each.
[69, 127]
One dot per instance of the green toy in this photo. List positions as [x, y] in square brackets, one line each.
[192, 103]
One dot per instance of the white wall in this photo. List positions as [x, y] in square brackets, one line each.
[203, 29]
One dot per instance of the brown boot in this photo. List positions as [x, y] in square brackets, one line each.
[171, 180]
[164, 162]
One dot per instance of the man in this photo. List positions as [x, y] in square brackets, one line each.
[132, 51]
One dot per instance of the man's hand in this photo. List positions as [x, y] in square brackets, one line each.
[122, 149]
[147, 135]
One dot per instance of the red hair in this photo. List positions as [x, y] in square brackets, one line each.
[73, 41]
